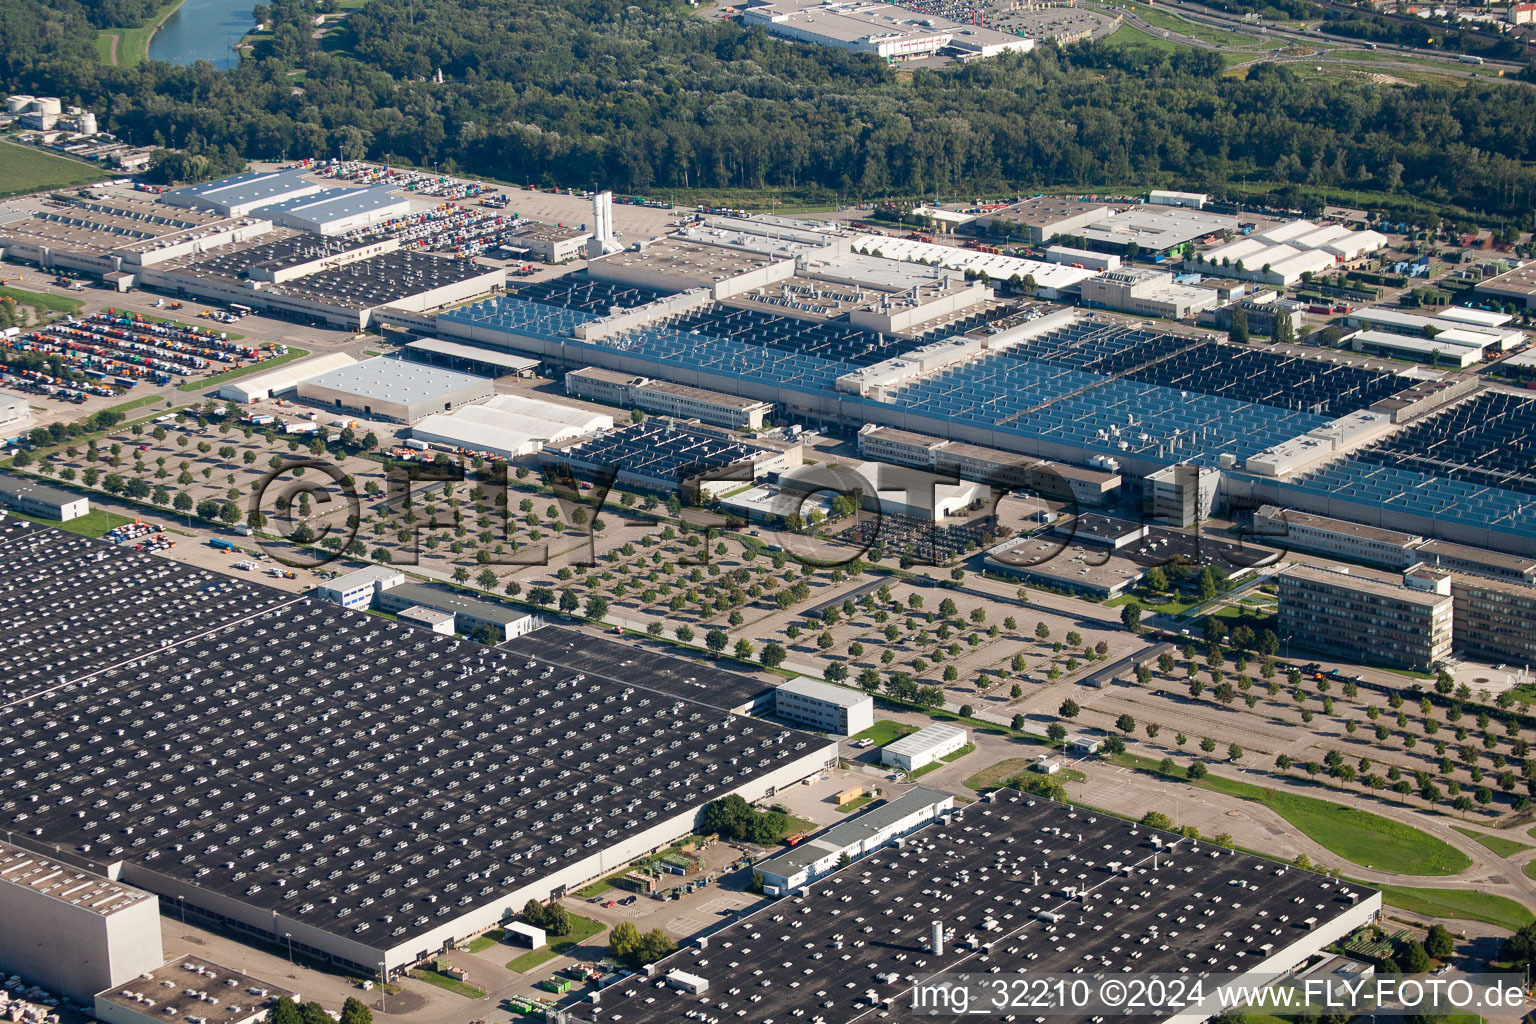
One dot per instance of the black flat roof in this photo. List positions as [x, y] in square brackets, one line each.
[363, 776]
[608, 659]
[990, 873]
[72, 605]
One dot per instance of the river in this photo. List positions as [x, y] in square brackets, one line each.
[203, 30]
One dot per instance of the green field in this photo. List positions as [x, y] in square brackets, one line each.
[855, 803]
[451, 984]
[132, 41]
[582, 929]
[1194, 30]
[1358, 836]
[884, 731]
[1498, 844]
[1129, 35]
[24, 169]
[228, 375]
[1459, 904]
[94, 523]
[40, 300]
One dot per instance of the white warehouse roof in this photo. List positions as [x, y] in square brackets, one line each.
[925, 739]
[510, 426]
[1048, 276]
[1475, 317]
[284, 378]
[584, 421]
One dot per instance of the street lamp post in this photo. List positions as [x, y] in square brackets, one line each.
[289, 937]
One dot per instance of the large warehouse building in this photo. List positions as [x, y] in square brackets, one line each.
[70, 931]
[242, 194]
[394, 389]
[324, 733]
[885, 30]
[335, 211]
[1011, 884]
[510, 426]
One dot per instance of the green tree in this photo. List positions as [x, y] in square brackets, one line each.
[1238, 332]
[623, 939]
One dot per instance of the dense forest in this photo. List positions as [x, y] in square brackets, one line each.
[648, 96]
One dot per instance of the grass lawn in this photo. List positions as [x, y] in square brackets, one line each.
[995, 776]
[24, 169]
[38, 300]
[136, 403]
[205, 383]
[1128, 35]
[94, 523]
[1459, 904]
[600, 886]
[954, 756]
[132, 41]
[885, 731]
[1530, 869]
[1358, 836]
[1498, 844]
[451, 984]
[582, 929]
[854, 804]
[485, 941]
[1192, 29]
[1175, 605]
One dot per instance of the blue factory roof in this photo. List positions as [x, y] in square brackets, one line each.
[253, 186]
[335, 203]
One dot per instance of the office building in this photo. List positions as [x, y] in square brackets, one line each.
[356, 590]
[824, 707]
[924, 747]
[39, 499]
[1144, 292]
[852, 838]
[1181, 495]
[1287, 529]
[553, 243]
[394, 389]
[1262, 316]
[1498, 565]
[72, 931]
[1494, 621]
[1364, 620]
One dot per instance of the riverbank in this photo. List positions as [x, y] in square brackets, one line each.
[126, 47]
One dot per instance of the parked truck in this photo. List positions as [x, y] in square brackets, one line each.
[221, 544]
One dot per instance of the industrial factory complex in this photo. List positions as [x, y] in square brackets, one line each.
[1010, 884]
[369, 790]
[379, 768]
[373, 793]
